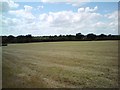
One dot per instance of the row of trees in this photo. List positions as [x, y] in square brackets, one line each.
[77, 37]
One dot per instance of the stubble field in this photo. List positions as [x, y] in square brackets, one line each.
[85, 64]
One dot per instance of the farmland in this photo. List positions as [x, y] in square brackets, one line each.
[85, 64]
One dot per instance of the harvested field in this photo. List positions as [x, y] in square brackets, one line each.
[79, 64]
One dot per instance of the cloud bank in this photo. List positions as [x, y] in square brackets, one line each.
[85, 20]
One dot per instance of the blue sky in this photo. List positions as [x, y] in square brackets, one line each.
[55, 18]
[104, 7]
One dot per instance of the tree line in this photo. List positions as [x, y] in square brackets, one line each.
[78, 37]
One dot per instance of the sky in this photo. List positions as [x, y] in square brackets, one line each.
[58, 18]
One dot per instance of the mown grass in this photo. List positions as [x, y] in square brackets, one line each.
[87, 64]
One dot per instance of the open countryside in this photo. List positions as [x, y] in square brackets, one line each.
[69, 64]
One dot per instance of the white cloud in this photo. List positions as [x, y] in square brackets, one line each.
[69, 18]
[40, 7]
[86, 20]
[28, 8]
[45, 0]
[7, 5]
[81, 10]
[87, 9]
[75, 3]
[6, 22]
[12, 4]
[67, 1]
[23, 13]
[113, 15]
